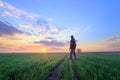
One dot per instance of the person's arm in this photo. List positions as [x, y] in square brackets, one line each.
[70, 46]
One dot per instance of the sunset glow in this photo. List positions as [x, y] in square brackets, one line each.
[43, 50]
[46, 26]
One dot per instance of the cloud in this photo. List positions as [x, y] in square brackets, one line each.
[29, 22]
[49, 38]
[6, 13]
[115, 38]
[85, 29]
[50, 43]
[39, 27]
[6, 29]
[14, 38]
[2, 47]
[50, 19]
[54, 29]
[113, 43]
[12, 11]
[48, 31]
[1, 4]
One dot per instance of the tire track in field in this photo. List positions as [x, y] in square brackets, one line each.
[75, 77]
[53, 75]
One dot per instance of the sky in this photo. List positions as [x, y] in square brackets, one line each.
[46, 25]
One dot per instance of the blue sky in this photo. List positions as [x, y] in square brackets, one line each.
[90, 21]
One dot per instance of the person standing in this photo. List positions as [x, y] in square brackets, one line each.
[72, 47]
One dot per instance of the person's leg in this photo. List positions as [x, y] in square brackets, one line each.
[71, 51]
[74, 54]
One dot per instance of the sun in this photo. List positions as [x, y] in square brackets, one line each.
[43, 50]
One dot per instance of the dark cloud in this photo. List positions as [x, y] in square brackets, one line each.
[54, 33]
[46, 27]
[41, 22]
[51, 38]
[51, 43]
[2, 47]
[6, 29]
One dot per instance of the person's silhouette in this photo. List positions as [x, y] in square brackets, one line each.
[72, 47]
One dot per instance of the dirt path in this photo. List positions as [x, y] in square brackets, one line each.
[75, 74]
[53, 75]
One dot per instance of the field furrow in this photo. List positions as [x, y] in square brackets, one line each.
[55, 72]
[59, 67]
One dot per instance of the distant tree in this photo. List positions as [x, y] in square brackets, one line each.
[78, 50]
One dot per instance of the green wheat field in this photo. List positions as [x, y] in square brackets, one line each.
[87, 66]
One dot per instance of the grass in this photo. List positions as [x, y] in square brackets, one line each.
[40, 66]
[65, 72]
[98, 66]
[27, 66]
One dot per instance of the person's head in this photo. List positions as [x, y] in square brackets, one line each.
[71, 36]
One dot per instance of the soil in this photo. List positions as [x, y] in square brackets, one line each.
[53, 75]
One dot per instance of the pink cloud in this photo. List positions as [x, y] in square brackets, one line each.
[113, 43]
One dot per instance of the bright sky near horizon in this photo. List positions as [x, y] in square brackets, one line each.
[46, 25]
